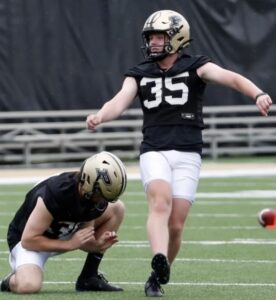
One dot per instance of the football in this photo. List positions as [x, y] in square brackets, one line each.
[267, 217]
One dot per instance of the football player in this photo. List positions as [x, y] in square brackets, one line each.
[66, 212]
[170, 85]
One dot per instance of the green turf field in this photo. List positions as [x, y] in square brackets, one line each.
[225, 253]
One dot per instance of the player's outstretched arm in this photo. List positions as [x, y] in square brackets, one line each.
[212, 73]
[114, 107]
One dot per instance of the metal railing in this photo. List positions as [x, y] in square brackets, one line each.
[37, 137]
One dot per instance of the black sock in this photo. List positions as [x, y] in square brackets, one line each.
[91, 265]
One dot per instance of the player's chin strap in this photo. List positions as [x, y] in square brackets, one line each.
[153, 56]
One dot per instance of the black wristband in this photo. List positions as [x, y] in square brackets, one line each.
[259, 95]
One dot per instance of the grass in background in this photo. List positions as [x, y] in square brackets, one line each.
[225, 254]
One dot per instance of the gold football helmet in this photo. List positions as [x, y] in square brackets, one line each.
[174, 25]
[103, 172]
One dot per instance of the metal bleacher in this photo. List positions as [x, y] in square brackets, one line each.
[34, 137]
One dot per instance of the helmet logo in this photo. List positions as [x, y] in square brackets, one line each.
[103, 174]
[175, 21]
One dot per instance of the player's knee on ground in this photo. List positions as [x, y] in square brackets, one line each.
[28, 279]
[28, 286]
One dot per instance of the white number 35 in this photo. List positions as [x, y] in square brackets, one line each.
[157, 89]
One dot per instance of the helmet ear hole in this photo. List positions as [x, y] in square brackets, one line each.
[170, 33]
[168, 48]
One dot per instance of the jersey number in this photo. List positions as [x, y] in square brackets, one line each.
[157, 89]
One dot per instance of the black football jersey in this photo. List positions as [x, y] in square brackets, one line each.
[61, 198]
[171, 101]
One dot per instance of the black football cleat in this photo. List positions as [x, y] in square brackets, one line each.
[96, 283]
[152, 287]
[5, 283]
[161, 267]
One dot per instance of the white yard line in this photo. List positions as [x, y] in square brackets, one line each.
[225, 284]
[30, 178]
[238, 284]
[137, 244]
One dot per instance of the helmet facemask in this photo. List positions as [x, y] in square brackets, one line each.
[155, 56]
[89, 198]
